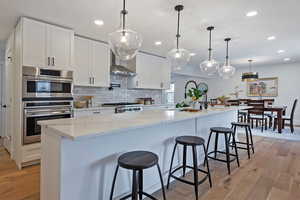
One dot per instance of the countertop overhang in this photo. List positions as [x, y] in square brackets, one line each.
[97, 125]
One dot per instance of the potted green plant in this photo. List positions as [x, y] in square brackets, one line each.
[195, 94]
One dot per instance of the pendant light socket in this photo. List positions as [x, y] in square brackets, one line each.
[179, 8]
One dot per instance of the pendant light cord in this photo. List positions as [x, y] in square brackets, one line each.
[209, 43]
[250, 65]
[227, 50]
[124, 13]
[178, 29]
[209, 49]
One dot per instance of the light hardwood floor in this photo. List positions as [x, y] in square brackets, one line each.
[273, 173]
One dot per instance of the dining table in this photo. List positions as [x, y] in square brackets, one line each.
[279, 110]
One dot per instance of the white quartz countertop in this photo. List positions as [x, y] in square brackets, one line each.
[113, 107]
[96, 125]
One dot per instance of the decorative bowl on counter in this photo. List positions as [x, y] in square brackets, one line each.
[80, 104]
[190, 110]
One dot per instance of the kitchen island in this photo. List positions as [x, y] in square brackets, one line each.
[79, 155]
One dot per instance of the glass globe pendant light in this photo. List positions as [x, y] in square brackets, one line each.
[124, 42]
[250, 76]
[178, 57]
[227, 71]
[210, 66]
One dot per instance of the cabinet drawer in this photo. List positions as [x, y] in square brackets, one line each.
[31, 152]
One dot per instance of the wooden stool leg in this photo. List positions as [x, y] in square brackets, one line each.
[171, 165]
[162, 182]
[195, 171]
[184, 160]
[227, 153]
[114, 182]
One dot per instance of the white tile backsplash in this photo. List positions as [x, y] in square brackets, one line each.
[122, 94]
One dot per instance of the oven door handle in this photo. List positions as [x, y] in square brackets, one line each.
[47, 78]
[40, 114]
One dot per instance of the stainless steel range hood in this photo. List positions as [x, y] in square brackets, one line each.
[124, 68]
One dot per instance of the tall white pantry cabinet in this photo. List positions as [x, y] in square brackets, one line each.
[36, 44]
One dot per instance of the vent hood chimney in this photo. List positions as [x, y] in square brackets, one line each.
[124, 68]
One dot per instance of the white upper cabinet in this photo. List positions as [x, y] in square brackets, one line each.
[82, 71]
[60, 45]
[92, 67]
[46, 45]
[34, 43]
[152, 73]
[100, 64]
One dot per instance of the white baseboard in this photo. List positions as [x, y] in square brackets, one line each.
[297, 122]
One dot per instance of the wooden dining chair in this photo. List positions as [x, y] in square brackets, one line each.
[257, 114]
[290, 119]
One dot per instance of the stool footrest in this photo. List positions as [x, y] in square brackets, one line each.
[221, 160]
[189, 182]
[144, 193]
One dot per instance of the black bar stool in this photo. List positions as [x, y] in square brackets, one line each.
[249, 140]
[192, 141]
[137, 161]
[227, 132]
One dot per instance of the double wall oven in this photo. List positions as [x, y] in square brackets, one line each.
[47, 95]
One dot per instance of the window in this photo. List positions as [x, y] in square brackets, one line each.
[170, 94]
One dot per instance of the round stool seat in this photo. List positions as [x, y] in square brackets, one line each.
[242, 124]
[221, 130]
[190, 140]
[138, 160]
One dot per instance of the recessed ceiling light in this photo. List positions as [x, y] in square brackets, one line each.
[287, 59]
[157, 43]
[99, 22]
[280, 51]
[271, 38]
[192, 54]
[252, 13]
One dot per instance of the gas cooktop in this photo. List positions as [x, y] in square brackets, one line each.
[120, 104]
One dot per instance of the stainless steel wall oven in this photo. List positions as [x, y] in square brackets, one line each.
[47, 95]
[39, 82]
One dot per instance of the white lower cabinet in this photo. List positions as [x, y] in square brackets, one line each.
[92, 66]
[153, 72]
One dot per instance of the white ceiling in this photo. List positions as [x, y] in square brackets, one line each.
[156, 20]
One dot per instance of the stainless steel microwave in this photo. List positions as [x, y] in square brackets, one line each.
[39, 82]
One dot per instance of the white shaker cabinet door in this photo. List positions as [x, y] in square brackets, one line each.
[34, 43]
[165, 75]
[82, 66]
[100, 64]
[60, 46]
